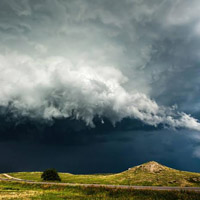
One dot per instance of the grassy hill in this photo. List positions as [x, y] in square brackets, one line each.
[151, 173]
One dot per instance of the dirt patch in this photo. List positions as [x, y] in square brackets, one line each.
[4, 195]
[152, 167]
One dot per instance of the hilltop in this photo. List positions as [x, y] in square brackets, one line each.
[150, 173]
[153, 173]
[151, 166]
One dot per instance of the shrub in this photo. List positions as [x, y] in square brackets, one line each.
[50, 175]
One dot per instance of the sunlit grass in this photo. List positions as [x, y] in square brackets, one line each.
[25, 191]
[163, 176]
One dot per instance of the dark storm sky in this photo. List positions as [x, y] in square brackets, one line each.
[90, 86]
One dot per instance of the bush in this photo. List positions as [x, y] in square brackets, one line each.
[50, 175]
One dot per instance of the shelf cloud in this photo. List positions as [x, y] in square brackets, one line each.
[55, 88]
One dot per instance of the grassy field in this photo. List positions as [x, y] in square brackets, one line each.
[24, 191]
[151, 174]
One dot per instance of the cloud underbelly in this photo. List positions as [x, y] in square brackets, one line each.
[55, 88]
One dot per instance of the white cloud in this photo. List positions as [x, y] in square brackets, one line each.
[54, 87]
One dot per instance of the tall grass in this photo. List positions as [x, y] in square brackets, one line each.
[24, 191]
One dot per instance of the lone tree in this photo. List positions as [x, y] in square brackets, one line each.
[50, 175]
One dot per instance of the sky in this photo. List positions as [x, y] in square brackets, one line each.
[96, 86]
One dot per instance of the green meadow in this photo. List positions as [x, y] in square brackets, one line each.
[148, 174]
[25, 191]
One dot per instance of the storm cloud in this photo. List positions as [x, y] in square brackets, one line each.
[93, 86]
[113, 59]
